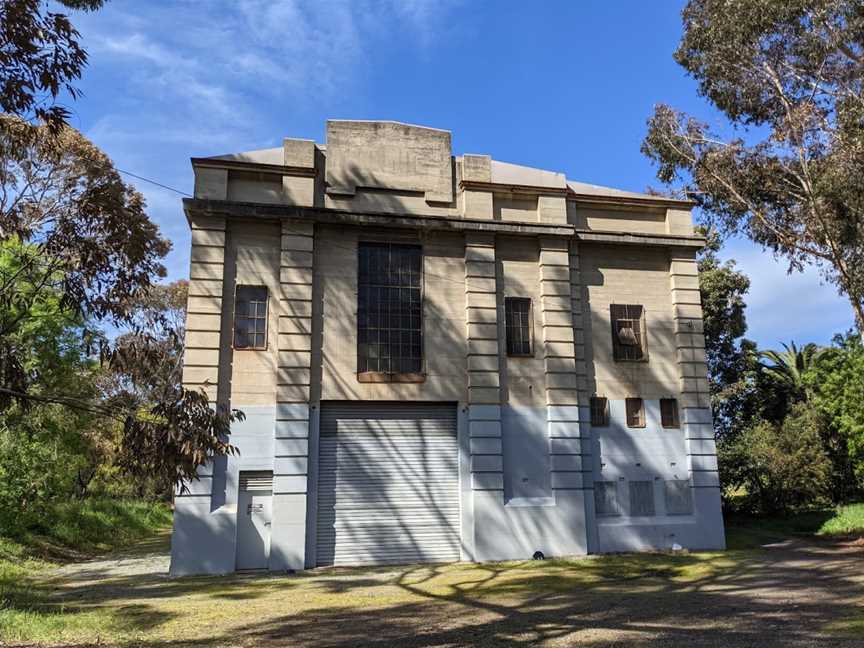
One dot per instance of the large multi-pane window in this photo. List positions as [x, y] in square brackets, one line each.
[389, 310]
[250, 317]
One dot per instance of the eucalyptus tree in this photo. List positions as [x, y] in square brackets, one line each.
[787, 78]
[41, 58]
[74, 235]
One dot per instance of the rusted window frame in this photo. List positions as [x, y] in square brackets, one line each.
[628, 402]
[508, 327]
[664, 420]
[266, 318]
[601, 420]
[634, 313]
[391, 376]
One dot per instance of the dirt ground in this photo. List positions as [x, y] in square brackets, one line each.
[795, 593]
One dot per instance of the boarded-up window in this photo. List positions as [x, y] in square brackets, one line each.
[389, 308]
[641, 498]
[517, 316]
[669, 413]
[606, 498]
[250, 317]
[599, 411]
[679, 497]
[628, 332]
[635, 412]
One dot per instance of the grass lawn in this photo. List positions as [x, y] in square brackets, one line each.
[745, 596]
[746, 532]
[74, 530]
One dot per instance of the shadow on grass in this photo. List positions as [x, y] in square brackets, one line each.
[777, 597]
[750, 531]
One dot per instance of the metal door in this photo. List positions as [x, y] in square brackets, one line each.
[254, 517]
[388, 484]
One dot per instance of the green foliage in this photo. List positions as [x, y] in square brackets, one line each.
[77, 238]
[788, 78]
[41, 58]
[779, 467]
[41, 458]
[97, 524]
[722, 290]
[749, 531]
[836, 382]
[788, 367]
[67, 530]
[77, 251]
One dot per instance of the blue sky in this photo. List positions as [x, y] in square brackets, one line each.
[565, 86]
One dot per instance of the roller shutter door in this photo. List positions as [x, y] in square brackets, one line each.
[388, 484]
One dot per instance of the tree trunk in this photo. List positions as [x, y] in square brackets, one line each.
[858, 309]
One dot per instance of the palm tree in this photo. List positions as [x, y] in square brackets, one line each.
[789, 366]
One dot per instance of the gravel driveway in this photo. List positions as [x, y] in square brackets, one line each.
[797, 593]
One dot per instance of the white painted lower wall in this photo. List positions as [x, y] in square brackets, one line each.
[496, 524]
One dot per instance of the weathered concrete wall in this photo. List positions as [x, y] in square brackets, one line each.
[203, 537]
[651, 454]
[675, 369]
[533, 499]
[389, 155]
[443, 317]
[629, 275]
[526, 444]
[529, 459]
[647, 221]
[249, 186]
[292, 429]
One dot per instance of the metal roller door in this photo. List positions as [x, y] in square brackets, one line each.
[388, 484]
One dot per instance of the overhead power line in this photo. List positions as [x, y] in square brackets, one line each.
[158, 184]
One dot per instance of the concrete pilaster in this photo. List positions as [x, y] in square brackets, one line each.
[560, 366]
[695, 400]
[195, 526]
[484, 389]
[204, 322]
[291, 443]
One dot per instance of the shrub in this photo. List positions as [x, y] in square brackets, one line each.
[778, 467]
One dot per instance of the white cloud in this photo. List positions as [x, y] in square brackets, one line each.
[186, 79]
[136, 46]
[781, 307]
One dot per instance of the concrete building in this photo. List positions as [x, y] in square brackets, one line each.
[440, 358]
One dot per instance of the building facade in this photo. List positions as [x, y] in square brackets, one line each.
[440, 358]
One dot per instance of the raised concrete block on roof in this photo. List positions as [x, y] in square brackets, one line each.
[275, 156]
[389, 155]
[476, 168]
[515, 174]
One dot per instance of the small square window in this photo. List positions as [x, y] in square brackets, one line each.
[641, 498]
[599, 411]
[517, 317]
[635, 413]
[669, 413]
[679, 497]
[606, 499]
[250, 317]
